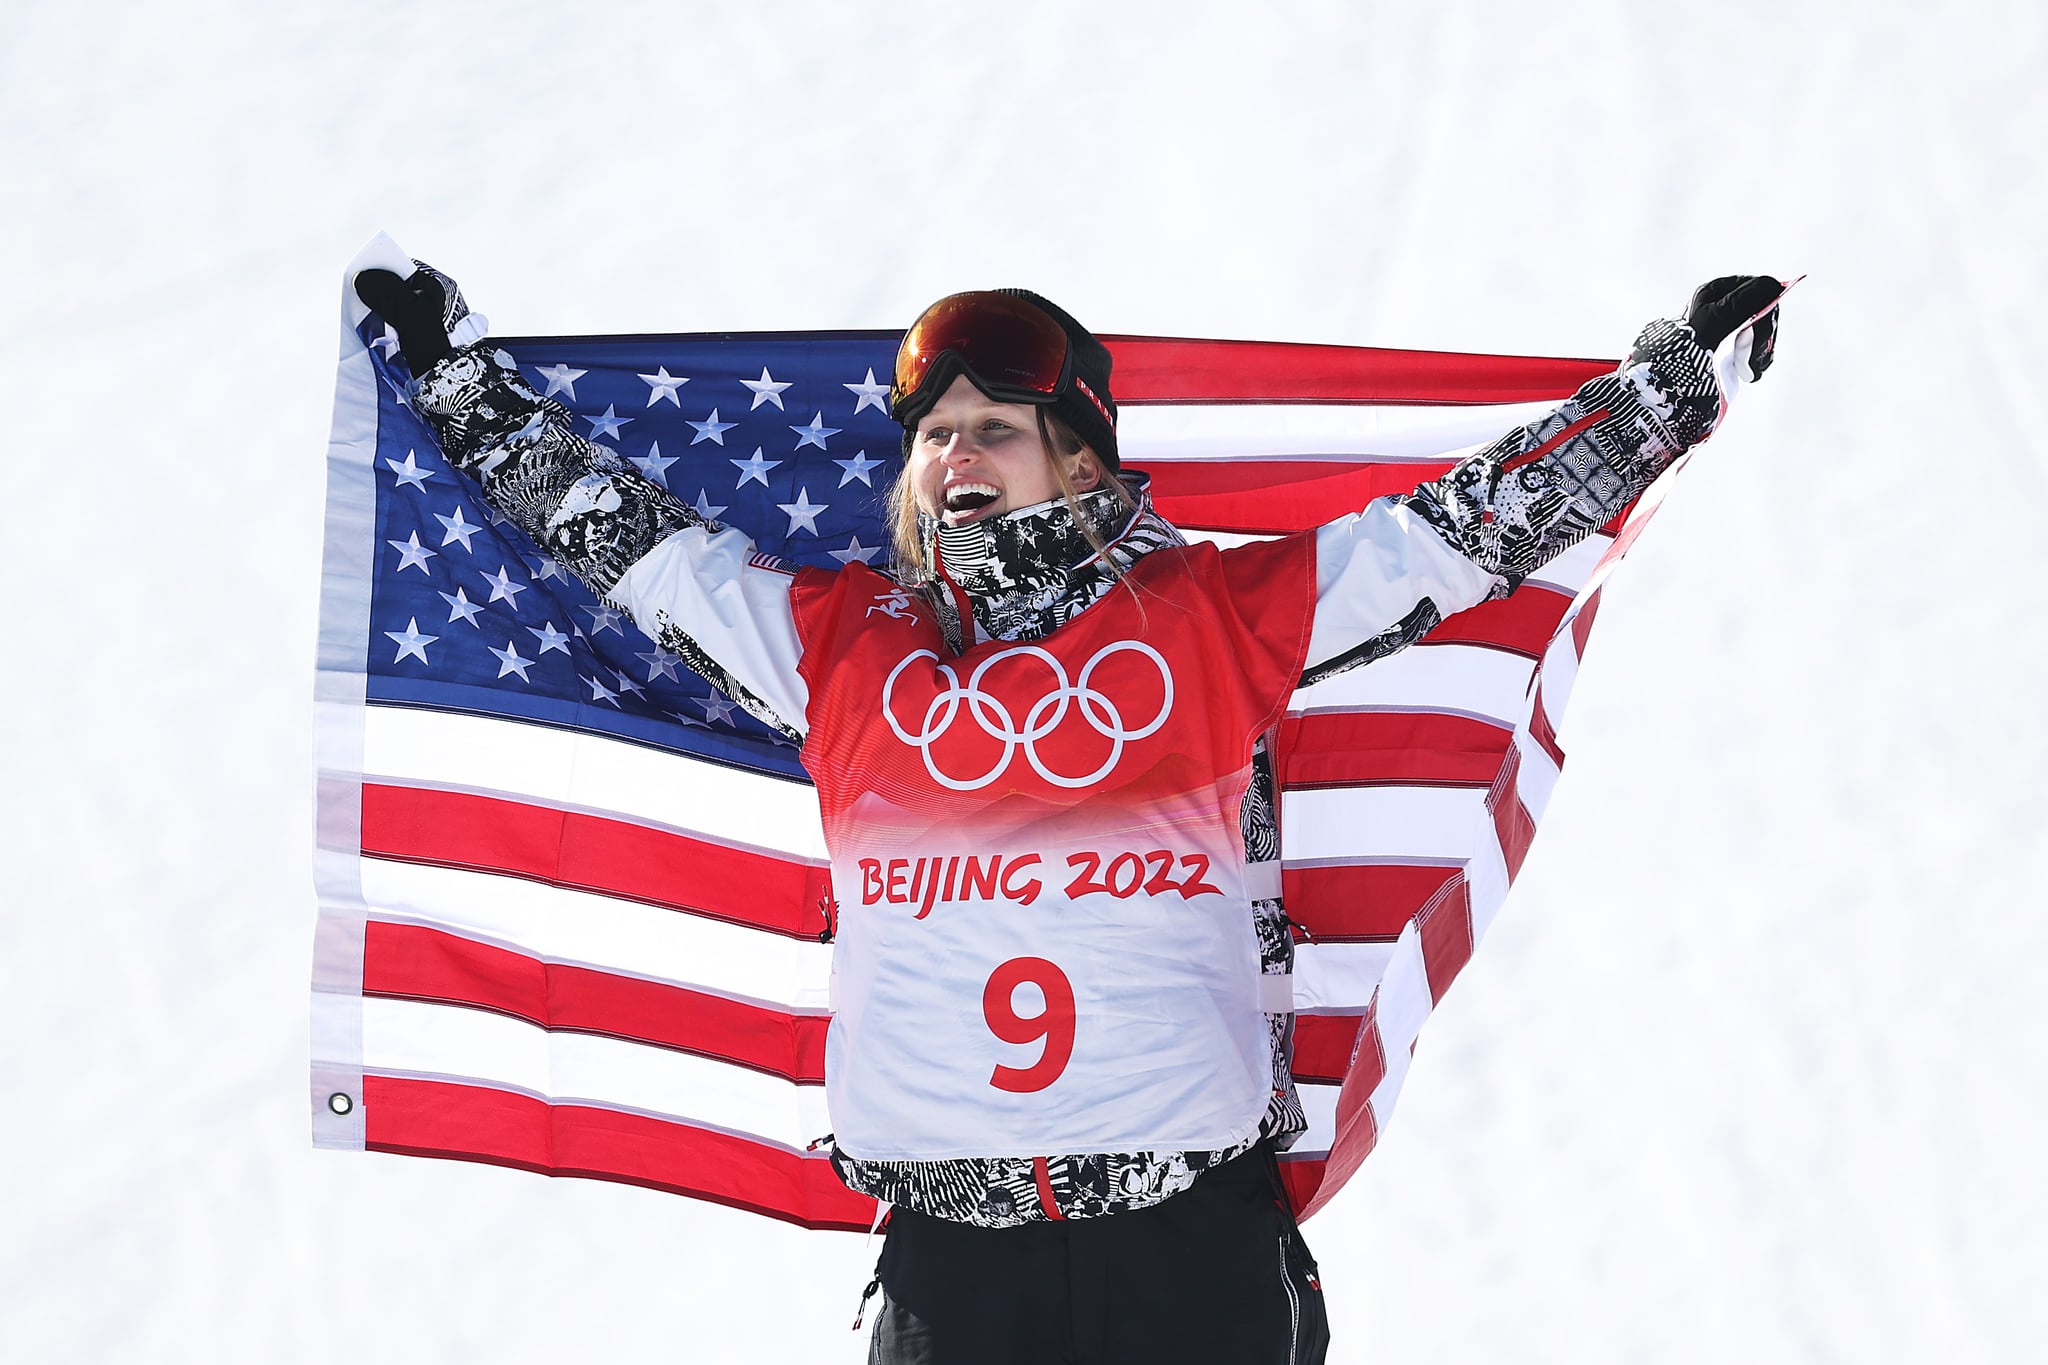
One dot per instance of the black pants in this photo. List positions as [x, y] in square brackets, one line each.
[1218, 1273]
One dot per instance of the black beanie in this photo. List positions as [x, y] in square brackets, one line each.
[1086, 406]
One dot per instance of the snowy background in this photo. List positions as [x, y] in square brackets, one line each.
[1750, 1070]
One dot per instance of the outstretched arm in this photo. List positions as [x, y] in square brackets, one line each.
[685, 580]
[1389, 574]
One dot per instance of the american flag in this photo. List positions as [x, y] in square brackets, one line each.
[574, 909]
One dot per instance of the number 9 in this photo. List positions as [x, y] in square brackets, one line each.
[1055, 1025]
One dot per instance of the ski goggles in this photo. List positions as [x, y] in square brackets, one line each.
[1013, 352]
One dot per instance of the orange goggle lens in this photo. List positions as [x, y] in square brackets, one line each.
[1012, 349]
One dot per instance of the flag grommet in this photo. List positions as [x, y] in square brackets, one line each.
[341, 1102]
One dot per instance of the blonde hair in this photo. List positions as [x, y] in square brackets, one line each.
[1057, 439]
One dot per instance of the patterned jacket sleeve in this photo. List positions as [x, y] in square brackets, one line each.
[687, 581]
[1388, 575]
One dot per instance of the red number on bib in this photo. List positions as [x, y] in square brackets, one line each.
[1055, 1024]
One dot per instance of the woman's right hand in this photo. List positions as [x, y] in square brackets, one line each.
[424, 308]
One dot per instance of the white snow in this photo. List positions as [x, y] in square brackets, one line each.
[1750, 1069]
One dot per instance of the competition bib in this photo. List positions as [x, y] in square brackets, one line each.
[1045, 941]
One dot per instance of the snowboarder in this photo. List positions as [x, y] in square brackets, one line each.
[1040, 748]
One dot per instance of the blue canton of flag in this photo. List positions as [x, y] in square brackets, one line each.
[787, 437]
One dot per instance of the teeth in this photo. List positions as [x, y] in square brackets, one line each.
[965, 497]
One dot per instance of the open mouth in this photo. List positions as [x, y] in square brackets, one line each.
[965, 499]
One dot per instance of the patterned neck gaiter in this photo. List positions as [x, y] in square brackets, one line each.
[1027, 573]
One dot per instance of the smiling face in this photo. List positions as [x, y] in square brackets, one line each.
[974, 458]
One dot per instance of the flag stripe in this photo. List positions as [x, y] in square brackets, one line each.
[1462, 679]
[1510, 817]
[587, 852]
[1319, 1108]
[1408, 823]
[414, 962]
[1357, 1130]
[576, 926]
[1571, 570]
[422, 1117]
[1172, 369]
[416, 1038]
[1357, 748]
[1323, 1044]
[1542, 731]
[1340, 902]
[411, 962]
[1446, 925]
[1271, 497]
[1302, 1174]
[1582, 624]
[417, 746]
[1219, 435]
[1521, 624]
[1334, 975]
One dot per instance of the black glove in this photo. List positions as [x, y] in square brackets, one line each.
[417, 309]
[1720, 306]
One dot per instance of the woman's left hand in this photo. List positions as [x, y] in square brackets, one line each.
[1721, 306]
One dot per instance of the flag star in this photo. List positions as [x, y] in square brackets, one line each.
[803, 512]
[755, 469]
[546, 567]
[498, 518]
[458, 527]
[388, 343]
[410, 641]
[398, 391]
[460, 608]
[626, 684]
[704, 508]
[409, 472]
[661, 384]
[604, 616]
[598, 691]
[654, 464]
[717, 708]
[549, 638]
[711, 429]
[412, 554]
[660, 664]
[815, 433]
[561, 379]
[857, 468]
[503, 589]
[855, 550]
[608, 423]
[690, 721]
[870, 394]
[510, 662]
[765, 389]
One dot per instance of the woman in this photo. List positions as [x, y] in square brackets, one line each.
[1062, 1021]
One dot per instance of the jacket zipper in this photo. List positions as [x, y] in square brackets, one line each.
[1293, 1305]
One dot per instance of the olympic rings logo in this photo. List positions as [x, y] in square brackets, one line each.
[998, 721]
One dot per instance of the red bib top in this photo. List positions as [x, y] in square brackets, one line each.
[1045, 938]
